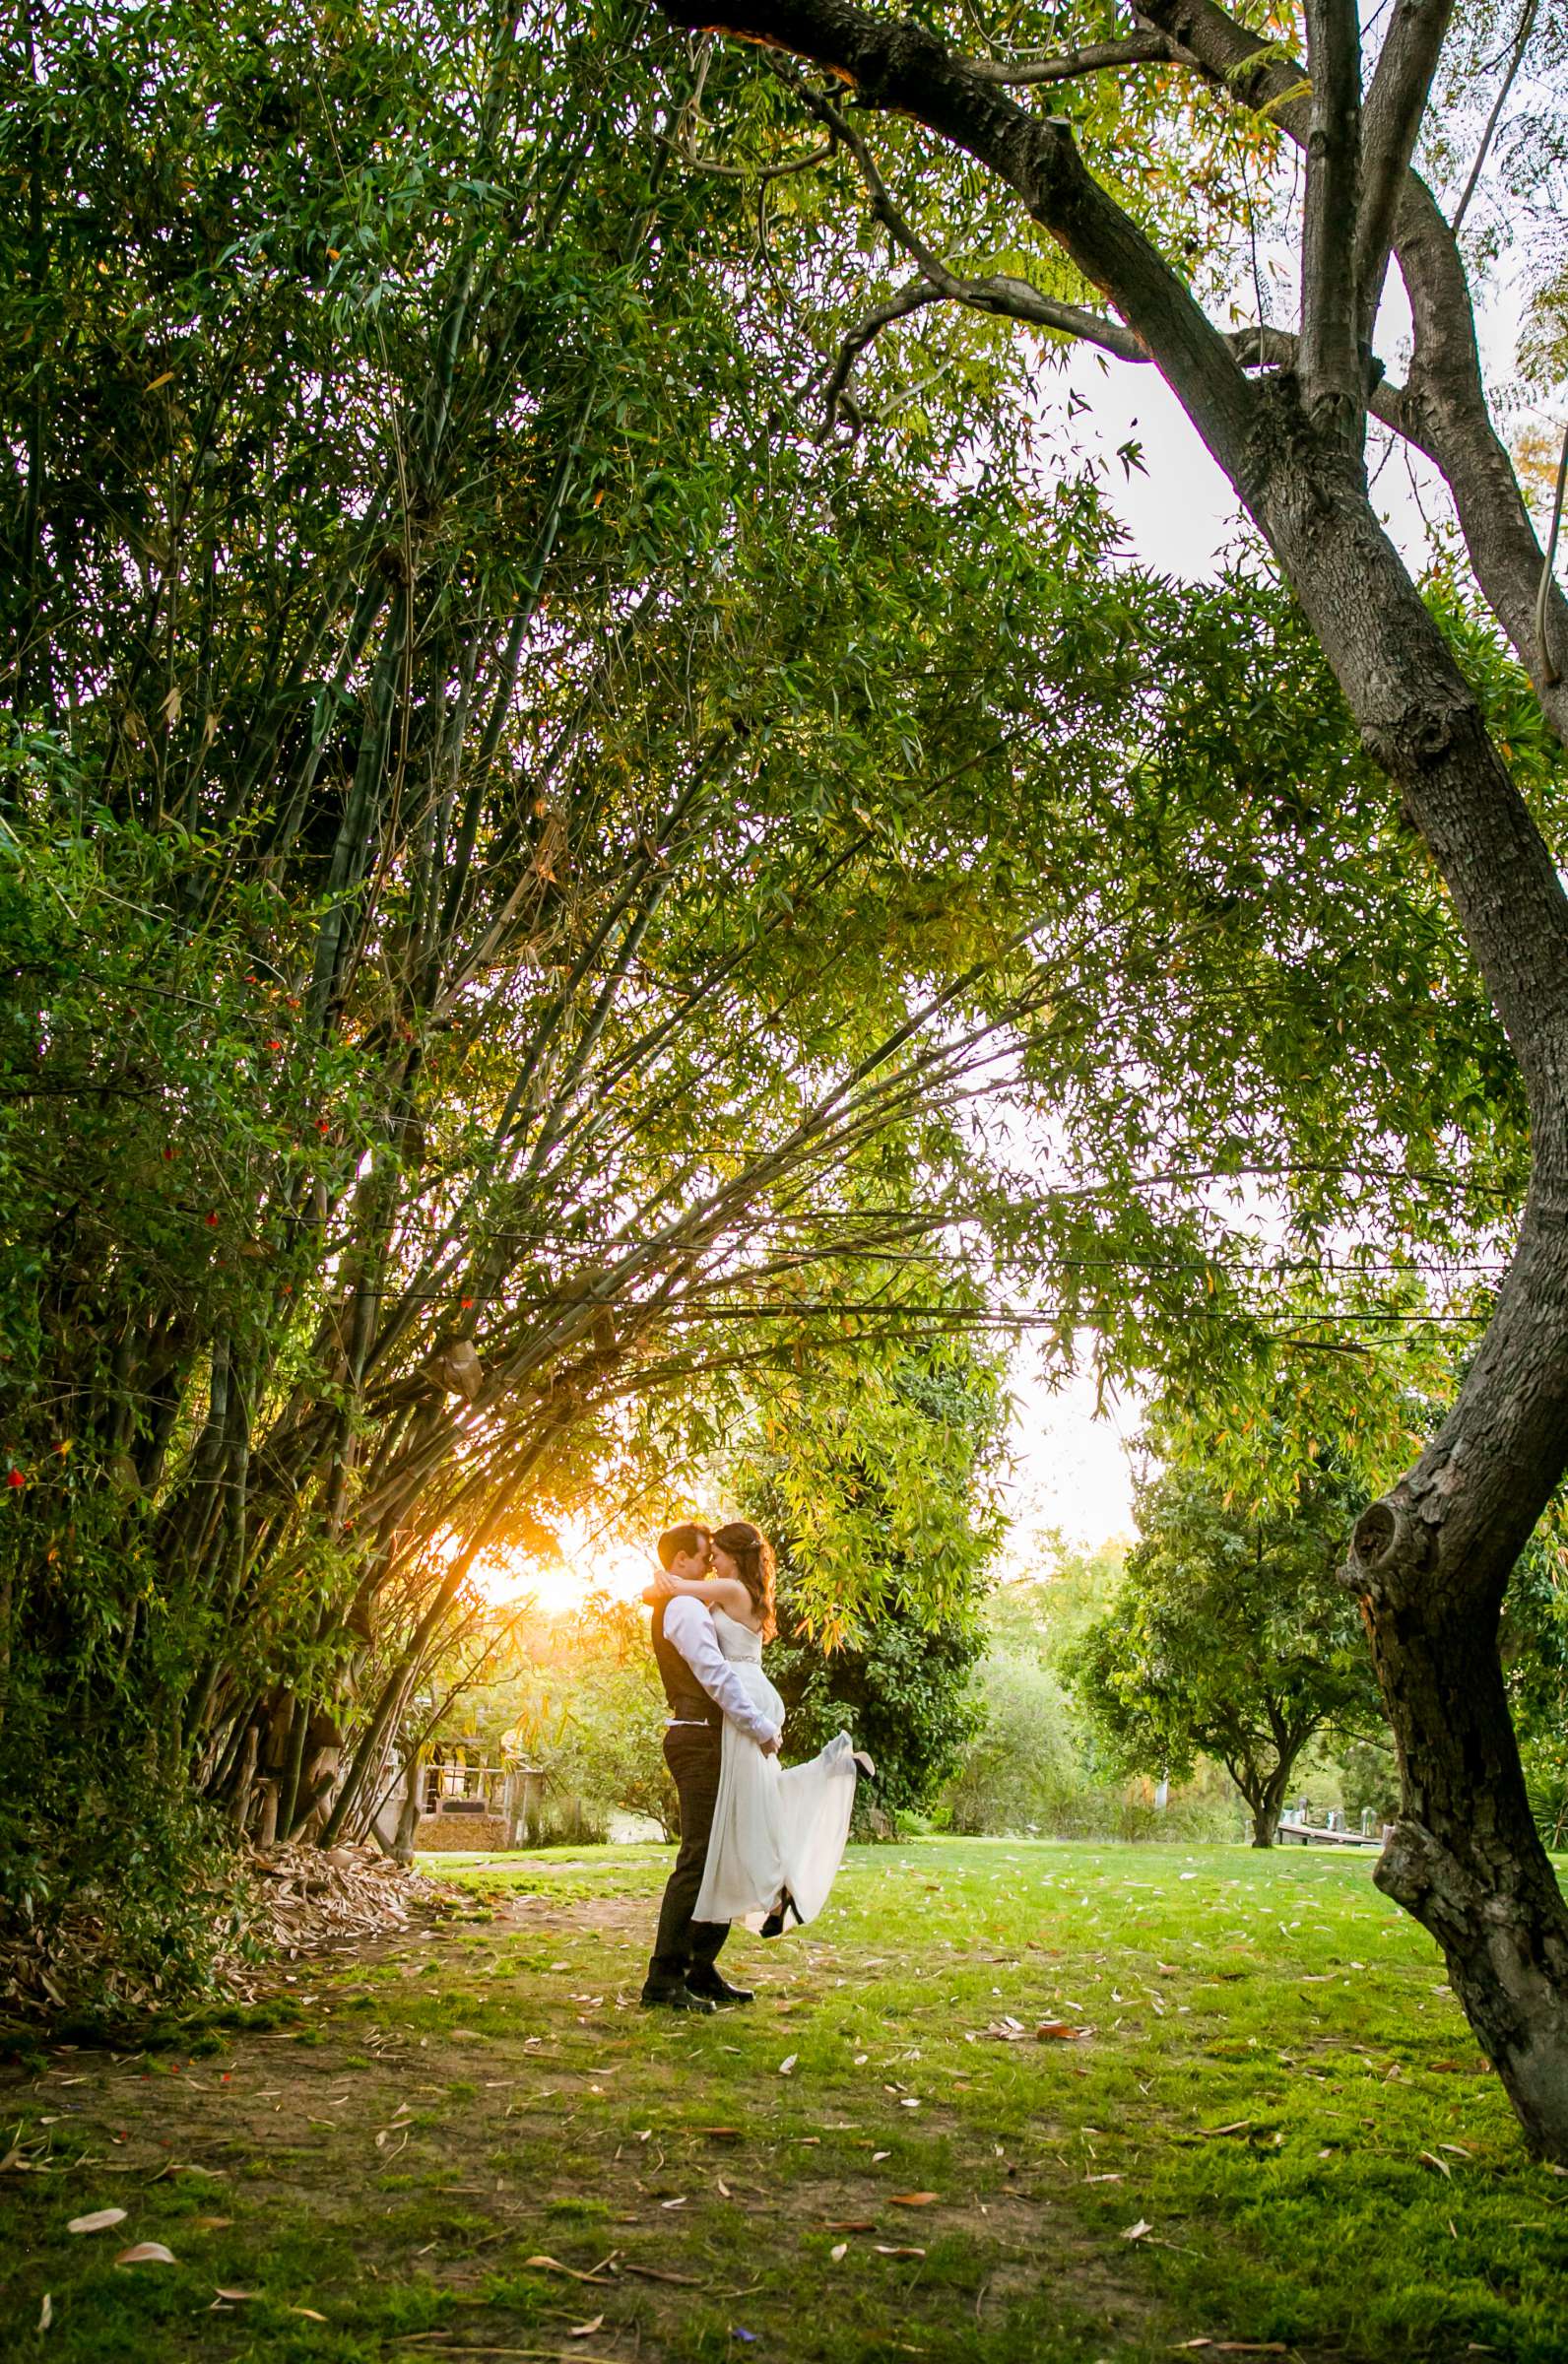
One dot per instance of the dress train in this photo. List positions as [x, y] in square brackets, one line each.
[779, 1831]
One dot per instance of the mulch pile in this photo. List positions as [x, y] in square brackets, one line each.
[310, 1900]
[283, 1903]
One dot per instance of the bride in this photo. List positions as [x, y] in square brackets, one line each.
[778, 1830]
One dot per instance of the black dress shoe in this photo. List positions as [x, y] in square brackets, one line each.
[675, 1998]
[709, 1986]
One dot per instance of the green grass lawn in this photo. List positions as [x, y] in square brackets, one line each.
[1275, 2128]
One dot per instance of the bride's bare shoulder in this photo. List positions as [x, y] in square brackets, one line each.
[731, 1595]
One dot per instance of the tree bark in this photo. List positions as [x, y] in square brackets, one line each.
[1465, 1858]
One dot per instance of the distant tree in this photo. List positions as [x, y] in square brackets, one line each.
[887, 1498]
[1232, 1636]
[1043, 1611]
[904, 1693]
[1369, 1779]
[609, 1746]
[1020, 1768]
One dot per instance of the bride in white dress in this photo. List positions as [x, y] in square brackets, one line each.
[778, 1830]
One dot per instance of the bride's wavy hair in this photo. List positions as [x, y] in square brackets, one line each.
[752, 1555]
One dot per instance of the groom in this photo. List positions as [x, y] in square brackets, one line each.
[703, 1688]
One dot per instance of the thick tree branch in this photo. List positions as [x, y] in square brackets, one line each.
[1332, 380]
[1391, 117]
[1247, 68]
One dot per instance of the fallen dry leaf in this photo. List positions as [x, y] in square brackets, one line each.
[1237, 2126]
[554, 2266]
[1238, 2347]
[97, 2222]
[1136, 2232]
[851, 2224]
[146, 2252]
[715, 2134]
[786, 2067]
[236, 2295]
[1057, 2031]
[310, 2314]
[212, 2224]
[45, 2312]
[585, 2330]
[914, 2199]
[885, 2249]
[839, 2250]
[1430, 2158]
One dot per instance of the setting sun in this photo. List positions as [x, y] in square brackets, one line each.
[587, 1563]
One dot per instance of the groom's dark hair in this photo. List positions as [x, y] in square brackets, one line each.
[678, 1539]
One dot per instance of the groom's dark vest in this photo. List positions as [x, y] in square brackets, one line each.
[687, 1699]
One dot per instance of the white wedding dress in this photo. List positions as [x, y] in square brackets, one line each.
[776, 1828]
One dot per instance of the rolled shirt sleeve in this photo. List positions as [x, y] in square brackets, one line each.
[688, 1626]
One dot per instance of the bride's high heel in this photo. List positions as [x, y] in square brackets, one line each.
[776, 1923]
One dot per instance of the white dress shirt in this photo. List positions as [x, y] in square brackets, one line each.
[688, 1627]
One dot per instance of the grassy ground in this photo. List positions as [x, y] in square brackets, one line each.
[1278, 2133]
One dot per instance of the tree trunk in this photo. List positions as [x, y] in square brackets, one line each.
[1432, 1561]
[1265, 1794]
[239, 1806]
[1464, 1857]
[409, 1810]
